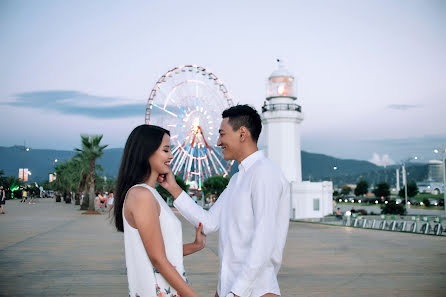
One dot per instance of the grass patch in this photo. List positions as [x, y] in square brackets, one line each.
[424, 207]
[422, 196]
[354, 204]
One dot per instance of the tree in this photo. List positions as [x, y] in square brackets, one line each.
[345, 190]
[215, 185]
[382, 190]
[335, 193]
[68, 178]
[392, 208]
[90, 151]
[2, 177]
[84, 177]
[412, 190]
[362, 188]
[10, 183]
[165, 194]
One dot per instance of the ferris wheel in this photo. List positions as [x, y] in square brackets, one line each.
[188, 100]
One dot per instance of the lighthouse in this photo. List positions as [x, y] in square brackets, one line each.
[281, 118]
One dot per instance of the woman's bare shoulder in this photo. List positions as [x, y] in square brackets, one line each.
[140, 197]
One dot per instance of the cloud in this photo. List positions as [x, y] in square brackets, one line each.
[383, 160]
[402, 106]
[78, 103]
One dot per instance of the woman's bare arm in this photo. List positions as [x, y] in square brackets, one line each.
[198, 244]
[144, 210]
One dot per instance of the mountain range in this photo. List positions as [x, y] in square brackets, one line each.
[315, 167]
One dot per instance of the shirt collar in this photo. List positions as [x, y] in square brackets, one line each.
[251, 159]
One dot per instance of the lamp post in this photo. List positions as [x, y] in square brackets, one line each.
[444, 176]
[25, 149]
[405, 179]
[405, 183]
[332, 173]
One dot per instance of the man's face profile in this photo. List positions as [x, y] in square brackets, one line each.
[228, 140]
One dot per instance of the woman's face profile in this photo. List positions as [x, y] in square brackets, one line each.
[160, 160]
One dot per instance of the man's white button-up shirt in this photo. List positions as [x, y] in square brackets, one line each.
[252, 216]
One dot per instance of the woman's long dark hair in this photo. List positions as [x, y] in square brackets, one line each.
[135, 167]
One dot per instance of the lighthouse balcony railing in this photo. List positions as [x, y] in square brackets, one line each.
[281, 106]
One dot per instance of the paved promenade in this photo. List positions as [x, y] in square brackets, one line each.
[51, 249]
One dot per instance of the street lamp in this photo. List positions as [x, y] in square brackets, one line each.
[334, 169]
[444, 176]
[405, 179]
[25, 149]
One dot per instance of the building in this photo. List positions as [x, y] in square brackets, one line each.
[281, 118]
[435, 171]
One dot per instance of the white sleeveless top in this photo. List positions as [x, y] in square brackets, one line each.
[144, 280]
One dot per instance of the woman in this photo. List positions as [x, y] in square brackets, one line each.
[154, 247]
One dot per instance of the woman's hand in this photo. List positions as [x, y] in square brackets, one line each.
[200, 238]
[198, 244]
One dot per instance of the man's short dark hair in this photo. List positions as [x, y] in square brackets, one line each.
[244, 115]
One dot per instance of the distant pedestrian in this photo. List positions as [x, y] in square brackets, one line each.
[2, 199]
[24, 196]
[338, 213]
[100, 201]
[31, 199]
[110, 200]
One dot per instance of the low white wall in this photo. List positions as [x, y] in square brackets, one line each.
[311, 200]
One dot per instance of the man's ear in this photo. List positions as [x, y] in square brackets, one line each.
[244, 133]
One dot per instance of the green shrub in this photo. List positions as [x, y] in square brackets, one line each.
[392, 208]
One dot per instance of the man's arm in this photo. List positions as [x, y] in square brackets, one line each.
[191, 211]
[195, 214]
[266, 194]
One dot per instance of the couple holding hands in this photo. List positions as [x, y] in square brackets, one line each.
[251, 215]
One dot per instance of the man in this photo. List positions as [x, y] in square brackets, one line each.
[252, 214]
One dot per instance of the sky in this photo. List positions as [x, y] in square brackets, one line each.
[371, 75]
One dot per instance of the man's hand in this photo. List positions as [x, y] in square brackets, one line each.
[168, 182]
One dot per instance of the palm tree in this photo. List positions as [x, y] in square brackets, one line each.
[83, 175]
[62, 180]
[91, 150]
